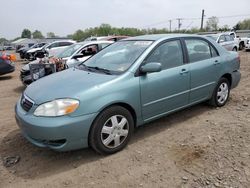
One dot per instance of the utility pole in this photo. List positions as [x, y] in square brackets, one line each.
[170, 26]
[202, 19]
[179, 23]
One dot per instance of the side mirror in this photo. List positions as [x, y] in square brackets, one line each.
[151, 67]
[78, 56]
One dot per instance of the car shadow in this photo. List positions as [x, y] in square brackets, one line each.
[5, 77]
[38, 162]
[19, 89]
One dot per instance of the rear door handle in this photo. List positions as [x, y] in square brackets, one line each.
[216, 62]
[184, 71]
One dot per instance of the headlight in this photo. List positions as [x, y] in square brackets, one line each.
[57, 107]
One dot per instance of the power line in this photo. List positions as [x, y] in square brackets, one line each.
[220, 17]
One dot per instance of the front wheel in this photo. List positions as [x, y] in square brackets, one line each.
[111, 130]
[221, 93]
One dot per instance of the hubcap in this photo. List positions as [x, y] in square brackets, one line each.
[222, 93]
[114, 131]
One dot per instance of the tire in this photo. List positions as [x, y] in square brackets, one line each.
[235, 49]
[111, 130]
[223, 87]
[241, 46]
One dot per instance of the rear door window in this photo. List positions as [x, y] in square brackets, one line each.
[199, 50]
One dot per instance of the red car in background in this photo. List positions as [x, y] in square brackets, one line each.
[6, 63]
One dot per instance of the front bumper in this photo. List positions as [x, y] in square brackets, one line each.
[58, 133]
[247, 46]
[25, 77]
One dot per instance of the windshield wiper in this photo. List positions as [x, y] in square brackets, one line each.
[106, 71]
[84, 67]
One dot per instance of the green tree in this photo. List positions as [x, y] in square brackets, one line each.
[212, 24]
[224, 28]
[237, 27]
[26, 33]
[51, 35]
[37, 35]
[78, 35]
[245, 24]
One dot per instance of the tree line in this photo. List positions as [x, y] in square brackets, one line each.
[106, 29]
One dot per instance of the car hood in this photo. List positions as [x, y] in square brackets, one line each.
[71, 83]
[33, 50]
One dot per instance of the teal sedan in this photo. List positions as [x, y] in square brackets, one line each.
[100, 102]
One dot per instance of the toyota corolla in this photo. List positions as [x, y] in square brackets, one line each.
[129, 83]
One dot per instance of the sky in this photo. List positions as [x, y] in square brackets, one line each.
[64, 17]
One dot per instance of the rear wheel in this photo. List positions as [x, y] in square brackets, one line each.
[111, 130]
[241, 46]
[221, 93]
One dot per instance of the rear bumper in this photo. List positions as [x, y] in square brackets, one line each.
[236, 76]
[247, 46]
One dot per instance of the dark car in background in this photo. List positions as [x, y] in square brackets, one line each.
[23, 51]
[6, 64]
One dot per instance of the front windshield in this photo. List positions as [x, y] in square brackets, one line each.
[34, 46]
[69, 51]
[119, 56]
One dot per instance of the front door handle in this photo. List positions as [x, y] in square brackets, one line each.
[184, 71]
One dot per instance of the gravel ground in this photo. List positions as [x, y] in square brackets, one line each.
[197, 147]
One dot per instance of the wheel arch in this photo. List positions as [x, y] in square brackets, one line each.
[122, 104]
[228, 77]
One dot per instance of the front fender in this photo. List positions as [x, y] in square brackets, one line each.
[125, 90]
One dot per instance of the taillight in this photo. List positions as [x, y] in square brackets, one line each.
[5, 57]
[238, 58]
[8, 57]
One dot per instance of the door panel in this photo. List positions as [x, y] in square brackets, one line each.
[168, 89]
[203, 79]
[164, 91]
[204, 69]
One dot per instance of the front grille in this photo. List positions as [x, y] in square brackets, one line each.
[24, 73]
[26, 103]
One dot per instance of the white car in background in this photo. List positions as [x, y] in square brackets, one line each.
[226, 40]
[73, 55]
[247, 47]
[80, 52]
[57, 47]
[241, 41]
[52, 49]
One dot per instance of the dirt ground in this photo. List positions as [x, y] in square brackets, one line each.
[197, 147]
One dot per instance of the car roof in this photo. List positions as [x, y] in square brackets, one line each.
[156, 37]
[62, 41]
[95, 42]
